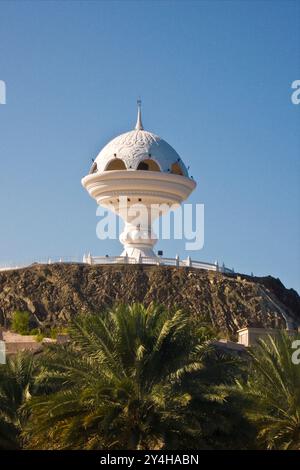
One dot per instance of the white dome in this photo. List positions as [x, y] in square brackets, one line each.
[128, 150]
[136, 146]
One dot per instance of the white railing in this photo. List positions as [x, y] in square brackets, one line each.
[51, 260]
[158, 261]
[105, 260]
[108, 260]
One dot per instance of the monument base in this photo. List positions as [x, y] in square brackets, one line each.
[138, 252]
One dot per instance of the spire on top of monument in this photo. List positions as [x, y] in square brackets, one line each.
[139, 124]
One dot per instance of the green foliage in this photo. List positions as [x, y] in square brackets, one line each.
[58, 331]
[148, 378]
[273, 390]
[34, 331]
[133, 378]
[20, 322]
[206, 331]
[53, 333]
[39, 337]
[17, 382]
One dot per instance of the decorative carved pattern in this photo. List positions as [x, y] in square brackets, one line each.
[135, 146]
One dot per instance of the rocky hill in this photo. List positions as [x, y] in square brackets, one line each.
[55, 293]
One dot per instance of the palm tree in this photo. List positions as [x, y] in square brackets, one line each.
[133, 378]
[273, 388]
[17, 379]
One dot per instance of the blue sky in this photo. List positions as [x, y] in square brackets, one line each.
[215, 78]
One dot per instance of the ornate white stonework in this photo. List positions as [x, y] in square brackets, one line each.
[136, 146]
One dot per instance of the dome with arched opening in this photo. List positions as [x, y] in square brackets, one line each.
[139, 150]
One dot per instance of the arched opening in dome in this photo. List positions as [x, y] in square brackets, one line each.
[93, 168]
[148, 165]
[176, 169]
[115, 164]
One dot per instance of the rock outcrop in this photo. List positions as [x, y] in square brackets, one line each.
[55, 293]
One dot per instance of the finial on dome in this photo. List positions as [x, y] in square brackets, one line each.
[139, 124]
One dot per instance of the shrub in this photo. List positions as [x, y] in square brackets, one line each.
[34, 331]
[58, 331]
[20, 322]
[39, 337]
